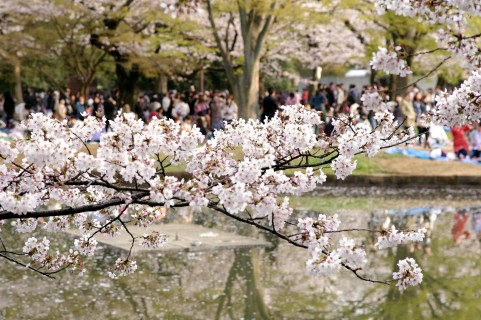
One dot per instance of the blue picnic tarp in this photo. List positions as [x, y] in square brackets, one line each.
[427, 209]
[421, 154]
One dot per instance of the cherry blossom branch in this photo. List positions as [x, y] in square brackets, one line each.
[215, 207]
[47, 274]
[354, 229]
[105, 184]
[131, 235]
[81, 140]
[439, 65]
[117, 218]
[62, 212]
[427, 52]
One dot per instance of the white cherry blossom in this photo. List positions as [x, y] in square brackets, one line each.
[409, 274]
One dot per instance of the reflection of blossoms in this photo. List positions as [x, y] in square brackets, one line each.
[409, 274]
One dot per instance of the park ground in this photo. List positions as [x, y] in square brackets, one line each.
[384, 164]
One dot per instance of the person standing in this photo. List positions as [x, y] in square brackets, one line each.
[269, 105]
[165, 103]
[109, 111]
[60, 111]
[407, 110]
[217, 107]
[9, 108]
[420, 109]
[318, 101]
[340, 97]
[331, 95]
[140, 107]
[181, 109]
[79, 108]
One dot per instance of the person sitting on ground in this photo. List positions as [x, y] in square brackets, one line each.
[460, 144]
[475, 139]
[230, 111]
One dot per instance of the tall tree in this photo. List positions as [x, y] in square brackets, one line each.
[255, 21]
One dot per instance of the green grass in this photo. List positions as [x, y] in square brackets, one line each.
[365, 165]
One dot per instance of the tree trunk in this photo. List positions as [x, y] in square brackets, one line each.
[128, 82]
[254, 28]
[312, 86]
[262, 88]
[85, 89]
[201, 80]
[399, 85]
[372, 76]
[162, 84]
[402, 83]
[246, 90]
[17, 73]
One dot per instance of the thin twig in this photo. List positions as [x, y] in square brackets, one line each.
[47, 274]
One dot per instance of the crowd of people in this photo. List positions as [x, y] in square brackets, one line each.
[334, 99]
[207, 110]
[210, 110]
[408, 110]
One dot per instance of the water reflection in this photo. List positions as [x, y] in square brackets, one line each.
[266, 284]
[245, 272]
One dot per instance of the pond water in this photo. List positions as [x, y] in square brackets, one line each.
[271, 283]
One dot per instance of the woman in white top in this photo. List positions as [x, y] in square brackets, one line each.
[230, 109]
[181, 109]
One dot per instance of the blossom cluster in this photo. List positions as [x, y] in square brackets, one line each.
[125, 182]
[86, 245]
[451, 12]
[122, 267]
[315, 234]
[390, 62]
[373, 101]
[394, 237]
[463, 105]
[39, 253]
[326, 261]
[461, 46]
[409, 274]
[153, 240]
